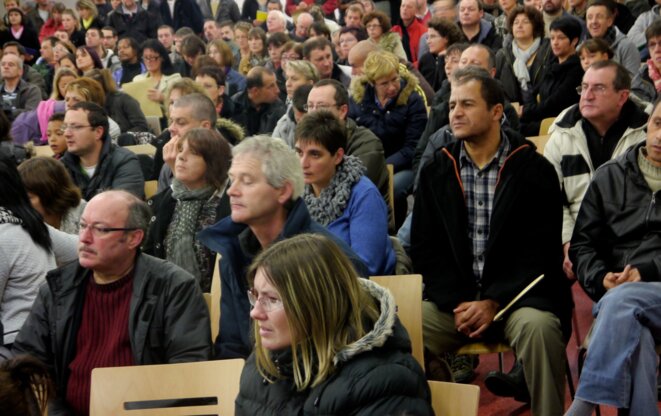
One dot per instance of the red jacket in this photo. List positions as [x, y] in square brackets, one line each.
[328, 7]
[415, 30]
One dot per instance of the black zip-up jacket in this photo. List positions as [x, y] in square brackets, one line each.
[619, 223]
[524, 239]
[168, 320]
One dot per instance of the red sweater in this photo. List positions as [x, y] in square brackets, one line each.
[415, 31]
[103, 337]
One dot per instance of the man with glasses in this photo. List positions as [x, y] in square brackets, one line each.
[603, 125]
[330, 95]
[94, 40]
[113, 307]
[94, 163]
[265, 197]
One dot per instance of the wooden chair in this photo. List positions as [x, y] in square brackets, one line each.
[200, 388]
[150, 188]
[391, 196]
[154, 124]
[540, 142]
[142, 149]
[545, 125]
[43, 151]
[214, 309]
[454, 399]
[407, 291]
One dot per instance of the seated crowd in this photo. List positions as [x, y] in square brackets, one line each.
[308, 146]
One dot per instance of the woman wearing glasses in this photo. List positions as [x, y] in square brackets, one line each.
[378, 31]
[25, 250]
[159, 69]
[359, 362]
[195, 200]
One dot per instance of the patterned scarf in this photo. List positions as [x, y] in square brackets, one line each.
[521, 59]
[180, 242]
[333, 199]
[8, 217]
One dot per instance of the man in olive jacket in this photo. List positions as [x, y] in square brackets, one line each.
[113, 307]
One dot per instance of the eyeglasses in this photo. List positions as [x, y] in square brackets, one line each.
[373, 26]
[74, 127]
[318, 106]
[98, 231]
[151, 58]
[267, 303]
[596, 89]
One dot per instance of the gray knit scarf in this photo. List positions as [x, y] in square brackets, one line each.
[8, 217]
[520, 64]
[333, 199]
[180, 238]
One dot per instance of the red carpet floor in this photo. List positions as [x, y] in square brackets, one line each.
[491, 405]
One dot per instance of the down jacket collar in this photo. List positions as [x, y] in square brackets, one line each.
[409, 84]
[383, 327]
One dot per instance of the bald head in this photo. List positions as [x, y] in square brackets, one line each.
[358, 54]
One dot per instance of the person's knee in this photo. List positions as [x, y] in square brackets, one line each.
[535, 324]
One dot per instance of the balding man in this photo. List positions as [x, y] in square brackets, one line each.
[276, 22]
[302, 27]
[115, 306]
[411, 29]
[17, 95]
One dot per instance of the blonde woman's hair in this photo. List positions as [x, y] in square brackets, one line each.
[186, 86]
[73, 14]
[325, 305]
[90, 89]
[379, 64]
[304, 68]
[89, 5]
[62, 72]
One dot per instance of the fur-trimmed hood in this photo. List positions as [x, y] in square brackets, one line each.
[361, 84]
[382, 329]
[231, 128]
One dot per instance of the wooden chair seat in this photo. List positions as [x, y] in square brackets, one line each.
[454, 399]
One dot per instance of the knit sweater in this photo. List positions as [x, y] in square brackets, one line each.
[23, 268]
[651, 173]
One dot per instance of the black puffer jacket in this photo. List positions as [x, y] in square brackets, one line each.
[619, 223]
[376, 375]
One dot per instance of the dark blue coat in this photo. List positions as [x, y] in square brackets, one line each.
[238, 246]
[186, 13]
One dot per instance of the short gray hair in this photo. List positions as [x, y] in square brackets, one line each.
[280, 163]
[202, 108]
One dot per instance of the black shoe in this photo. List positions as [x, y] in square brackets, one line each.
[462, 368]
[512, 384]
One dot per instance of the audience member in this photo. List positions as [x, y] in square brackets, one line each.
[195, 200]
[88, 15]
[52, 193]
[129, 55]
[151, 311]
[360, 359]
[593, 50]
[296, 109]
[638, 32]
[484, 241]
[338, 194]
[54, 21]
[30, 75]
[158, 67]
[182, 13]
[603, 125]
[71, 26]
[266, 185]
[25, 249]
[319, 52]
[615, 249]
[258, 53]
[440, 35]
[17, 95]
[647, 82]
[258, 107]
[221, 52]
[56, 140]
[477, 29]
[378, 28]
[220, 11]
[87, 59]
[131, 20]
[94, 163]
[410, 30]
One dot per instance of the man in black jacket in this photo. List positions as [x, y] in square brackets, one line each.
[113, 307]
[258, 107]
[616, 249]
[487, 221]
[93, 162]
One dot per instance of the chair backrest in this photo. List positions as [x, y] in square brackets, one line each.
[454, 399]
[215, 299]
[545, 125]
[43, 151]
[150, 188]
[154, 124]
[142, 149]
[200, 388]
[540, 142]
[407, 290]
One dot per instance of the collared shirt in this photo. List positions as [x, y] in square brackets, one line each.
[479, 190]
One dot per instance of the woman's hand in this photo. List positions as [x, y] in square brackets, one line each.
[155, 95]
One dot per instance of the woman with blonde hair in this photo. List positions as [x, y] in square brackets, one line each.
[71, 26]
[89, 15]
[378, 28]
[358, 362]
[387, 99]
[297, 74]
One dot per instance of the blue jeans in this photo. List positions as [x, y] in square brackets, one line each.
[620, 367]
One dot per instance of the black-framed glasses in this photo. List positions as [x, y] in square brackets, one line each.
[318, 106]
[98, 231]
